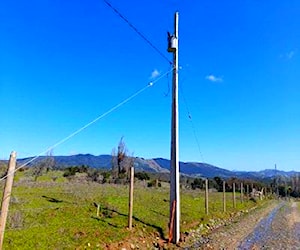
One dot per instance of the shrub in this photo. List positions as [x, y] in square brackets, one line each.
[71, 171]
[197, 183]
[154, 183]
[142, 176]
[16, 220]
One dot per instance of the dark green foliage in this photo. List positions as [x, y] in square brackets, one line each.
[71, 171]
[154, 183]
[219, 183]
[295, 194]
[197, 183]
[92, 174]
[142, 176]
[282, 191]
[253, 199]
[106, 175]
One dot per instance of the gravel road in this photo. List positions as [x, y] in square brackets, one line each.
[276, 226]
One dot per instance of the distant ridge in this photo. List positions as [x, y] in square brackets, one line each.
[161, 165]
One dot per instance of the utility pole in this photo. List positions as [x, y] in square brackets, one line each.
[174, 224]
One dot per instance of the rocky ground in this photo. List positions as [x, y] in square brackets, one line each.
[276, 226]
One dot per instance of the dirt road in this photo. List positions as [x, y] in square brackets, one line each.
[274, 227]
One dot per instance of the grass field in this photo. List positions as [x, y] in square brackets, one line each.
[54, 213]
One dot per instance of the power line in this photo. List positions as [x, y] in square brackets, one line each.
[192, 123]
[137, 31]
[150, 84]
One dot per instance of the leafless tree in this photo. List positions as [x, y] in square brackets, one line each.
[44, 165]
[121, 161]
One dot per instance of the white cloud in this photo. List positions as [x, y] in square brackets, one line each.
[155, 73]
[289, 55]
[213, 78]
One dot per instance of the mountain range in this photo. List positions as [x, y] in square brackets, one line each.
[160, 165]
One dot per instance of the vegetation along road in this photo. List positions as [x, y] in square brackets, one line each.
[85, 208]
[276, 226]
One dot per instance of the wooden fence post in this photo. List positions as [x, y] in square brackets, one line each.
[98, 209]
[131, 197]
[247, 190]
[233, 195]
[242, 193]
[206, 196]
[224, 197]
[6, 194]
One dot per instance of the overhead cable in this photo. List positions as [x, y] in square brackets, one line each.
[137, 31]
[192, 123]
[150, 84]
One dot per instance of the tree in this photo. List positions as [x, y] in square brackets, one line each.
[44, 165]
[71, 171]
[219, 183]
[142, 176]
[197, 183]
[295, 183]
[121, 162]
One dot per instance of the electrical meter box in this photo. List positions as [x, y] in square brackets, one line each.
[172, 43]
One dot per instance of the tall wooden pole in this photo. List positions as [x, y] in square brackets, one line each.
[131, 197]
[224, 196]
[174, 169]
[6, 194]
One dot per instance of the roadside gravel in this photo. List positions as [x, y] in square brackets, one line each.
[279, 230]
[234, 234]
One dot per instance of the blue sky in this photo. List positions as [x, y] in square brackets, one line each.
[64, 63]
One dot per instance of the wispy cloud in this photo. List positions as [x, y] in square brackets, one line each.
[155, 73]
[214, 78]
[288, 55]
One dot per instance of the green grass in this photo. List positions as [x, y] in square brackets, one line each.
[61, 214]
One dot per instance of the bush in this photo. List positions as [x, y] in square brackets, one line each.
[154, 183]
[106, 176]
[142, 176]
[71, 171]
[197, 183]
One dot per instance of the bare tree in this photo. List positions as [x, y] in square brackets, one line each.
[114, 163]
[121, 161]
[44, 165]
